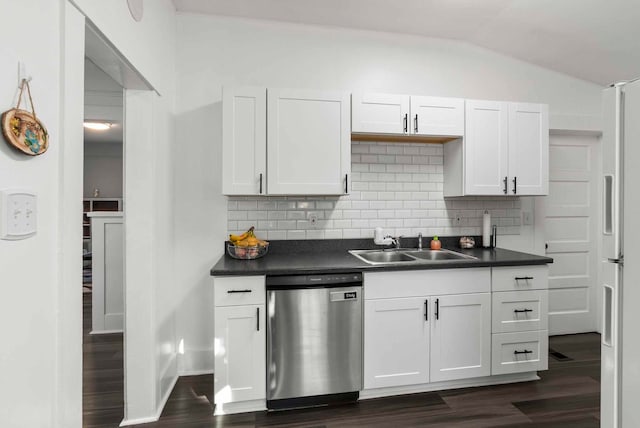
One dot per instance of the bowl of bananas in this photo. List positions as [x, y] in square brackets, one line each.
[247, 246]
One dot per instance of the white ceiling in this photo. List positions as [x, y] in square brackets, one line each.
[103, 101]
[595, 40]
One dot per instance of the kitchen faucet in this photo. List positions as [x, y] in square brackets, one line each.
[395, 240]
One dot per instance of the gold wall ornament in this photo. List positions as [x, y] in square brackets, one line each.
[22, 129]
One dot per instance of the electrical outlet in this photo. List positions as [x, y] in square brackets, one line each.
[18, 214]
[313, 219]
[527, 218]
[457, 218]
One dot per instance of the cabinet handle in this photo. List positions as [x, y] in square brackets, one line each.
[415, 124]
[346, 183]
[523, 278]
[437, 309]
[238, 291]
[505, 185]
[519, 311]
[405, 123]
[526, 351]
[515, 185]
[257, 319]
[426, 310]
[261, 183]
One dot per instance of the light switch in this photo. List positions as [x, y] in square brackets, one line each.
[18, 214]
[527, 218]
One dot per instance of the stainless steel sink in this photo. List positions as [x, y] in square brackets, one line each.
[437, 255]
[407, 256]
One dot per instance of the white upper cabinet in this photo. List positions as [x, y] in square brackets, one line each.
[486, 148]
[380, 113]
[437, 116]
[505, 151]
[244, 141]
[407, 115]
[309, 144]
[528, 149]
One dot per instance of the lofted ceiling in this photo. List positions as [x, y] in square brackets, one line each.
[594, 40]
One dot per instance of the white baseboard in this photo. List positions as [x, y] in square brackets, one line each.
[105, 331]
[441, 386]
[163, 402]
[195, 372]
[240, 407]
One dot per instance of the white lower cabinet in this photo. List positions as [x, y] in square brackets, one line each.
[396, 342]
[239, 353]
[239, 344]
[520, 339]
[461, 337]
[431, 338]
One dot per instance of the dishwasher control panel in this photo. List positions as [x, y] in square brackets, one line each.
[317, 280]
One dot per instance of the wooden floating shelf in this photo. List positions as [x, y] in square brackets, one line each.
[386, 138]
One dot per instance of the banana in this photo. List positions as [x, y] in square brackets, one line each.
[238, 238]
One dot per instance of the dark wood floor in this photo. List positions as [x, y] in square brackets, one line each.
[102, 375]
[567, 396]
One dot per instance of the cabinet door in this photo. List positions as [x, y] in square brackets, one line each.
[461, 336]
[380, 113]
[437, 116]
[528, 149]
[485, 147]
[240, 362]
[309, 150]
[244, 141]
[396, 342]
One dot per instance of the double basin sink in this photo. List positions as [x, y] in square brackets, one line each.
[408, 256]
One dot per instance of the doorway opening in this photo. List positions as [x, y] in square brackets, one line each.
[103, 248]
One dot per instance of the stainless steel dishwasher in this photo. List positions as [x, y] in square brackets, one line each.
[314, 339]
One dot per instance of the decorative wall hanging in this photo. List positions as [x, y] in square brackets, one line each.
[22, 129]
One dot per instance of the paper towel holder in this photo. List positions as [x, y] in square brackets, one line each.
[494, 236]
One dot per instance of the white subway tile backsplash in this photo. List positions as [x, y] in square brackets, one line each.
[394, 186]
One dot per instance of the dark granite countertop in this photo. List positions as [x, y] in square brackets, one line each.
[331, 256]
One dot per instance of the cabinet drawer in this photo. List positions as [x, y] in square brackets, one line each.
[520, 278]
[520, 311]
[239, 290]
[519, 352]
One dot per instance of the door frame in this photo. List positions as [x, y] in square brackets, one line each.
[139, 381]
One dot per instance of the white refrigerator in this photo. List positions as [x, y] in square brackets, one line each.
[620, 382]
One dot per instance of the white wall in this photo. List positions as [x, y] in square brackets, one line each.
[217, 51]
[103, 169]
[40, 281]
[29, 269]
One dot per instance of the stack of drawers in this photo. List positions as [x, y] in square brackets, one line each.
[520, 336]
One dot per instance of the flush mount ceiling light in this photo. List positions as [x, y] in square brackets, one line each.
[98, 126]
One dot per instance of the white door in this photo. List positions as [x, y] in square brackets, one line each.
[396, 342]
[437, 116]
[380, 113]
[240, 361]
[571, 233]
[528, 149]
[461, 336]
[309, 149]
[485, 147]
[244, 141]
